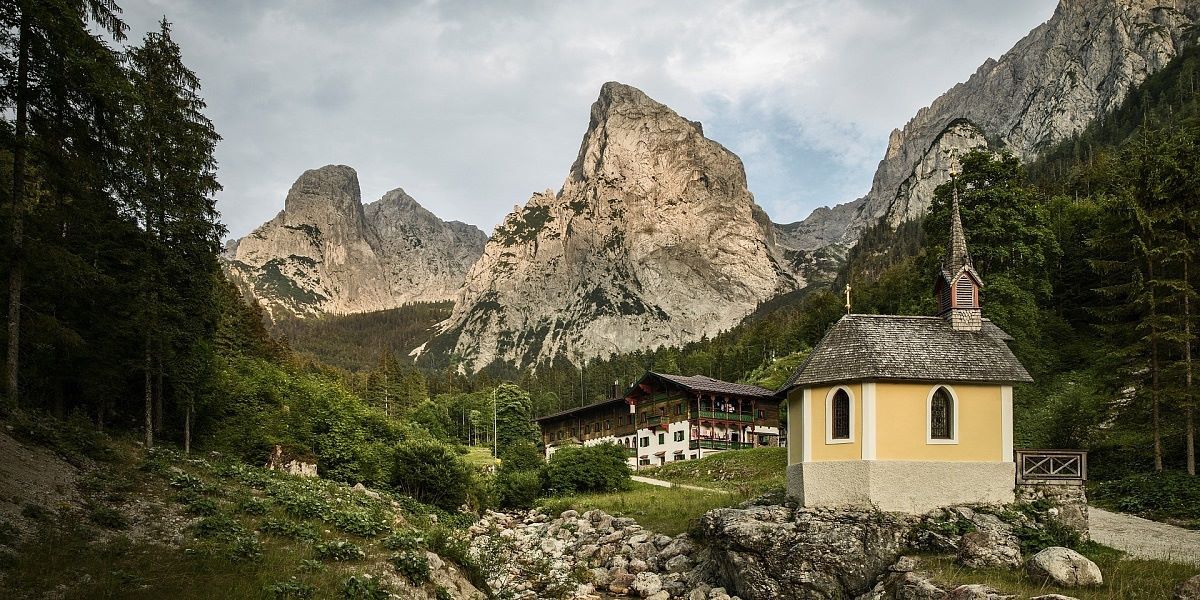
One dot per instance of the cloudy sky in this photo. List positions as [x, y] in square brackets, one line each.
[471, 106]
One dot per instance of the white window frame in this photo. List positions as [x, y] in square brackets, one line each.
[829, 416]
[954, 417]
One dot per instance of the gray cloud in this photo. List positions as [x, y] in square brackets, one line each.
[472, 106]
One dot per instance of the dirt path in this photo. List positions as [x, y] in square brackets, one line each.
[1143, 538]
[683, 486]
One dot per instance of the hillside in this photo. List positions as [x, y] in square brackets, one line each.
[356, 342]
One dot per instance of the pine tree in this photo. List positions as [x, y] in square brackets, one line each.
[171, 187]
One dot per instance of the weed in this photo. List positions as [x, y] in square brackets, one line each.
[407, 540]
[412, 564]
[106, 516]
[363, 587]
[289, 529]
[219, 526]
[339, 550]
[291, 590]
[251, 506]
[203, 507]
[245, 547]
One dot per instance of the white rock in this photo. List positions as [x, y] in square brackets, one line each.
[1064, 567]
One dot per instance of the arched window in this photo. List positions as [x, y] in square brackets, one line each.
[839, 415]
[943, 409]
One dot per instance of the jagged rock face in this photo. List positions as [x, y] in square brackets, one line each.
[653, 240]
[1077, 66]
[326, 253]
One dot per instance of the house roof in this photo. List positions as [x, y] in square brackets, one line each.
[889, 347]
[578, 409]
[700, 383]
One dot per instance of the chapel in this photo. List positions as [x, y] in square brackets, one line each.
[908, 413]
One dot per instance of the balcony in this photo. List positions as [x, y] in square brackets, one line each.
[727, 416]
[653, 420]
[719, 445]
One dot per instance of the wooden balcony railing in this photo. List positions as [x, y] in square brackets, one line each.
[1051, 466]
[719, 445]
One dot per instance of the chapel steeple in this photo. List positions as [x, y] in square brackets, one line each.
[958, 285]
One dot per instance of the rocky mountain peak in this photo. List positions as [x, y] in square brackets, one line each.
[653, 239]
[327, 253]
[1075, 67]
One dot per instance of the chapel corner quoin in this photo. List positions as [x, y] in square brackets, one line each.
[665, 418]
[909, 413]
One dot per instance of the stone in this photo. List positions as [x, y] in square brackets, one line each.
[679, 564]
[1188, 589]
[620, 582]
[646, 584]
[1053, 597]
[984, 549]
[337, 256]
[1064, 567]
[781, 552]
[648, 199]
[977, 592]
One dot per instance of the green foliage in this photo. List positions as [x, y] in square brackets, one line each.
[514, 416]
[518, 489]
[520, 455]
[291, 589]
[355, 342]
[404, 540]
[431, 472]
[412, 564]
[339, 550]
[107, 516]
[1170, 494]
[363, 587]
[599, 468]
[218, 526]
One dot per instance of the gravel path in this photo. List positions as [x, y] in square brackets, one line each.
[1143, 538]
[668, 484]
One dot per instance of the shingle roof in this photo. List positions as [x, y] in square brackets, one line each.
[700, 383]
[889, 347]
[600, 404]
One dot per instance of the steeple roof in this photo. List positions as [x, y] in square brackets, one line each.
[957, 256]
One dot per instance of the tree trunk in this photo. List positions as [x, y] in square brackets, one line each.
[16, 276]
[1189, 402]
[1154, 400]
[149, 397]
[187, 427]
[158, 398]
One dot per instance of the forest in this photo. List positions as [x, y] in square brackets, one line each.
[119, 317]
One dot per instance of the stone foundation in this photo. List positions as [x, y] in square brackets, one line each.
[914, 487]
[1070, 500]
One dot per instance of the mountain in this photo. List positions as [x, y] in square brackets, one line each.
[652, 240]
[327, 253]
[1077, 66]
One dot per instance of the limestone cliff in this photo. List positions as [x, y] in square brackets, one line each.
[1075, 67]
[653, 240]
[327, 253]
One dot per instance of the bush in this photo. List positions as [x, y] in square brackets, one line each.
[600, 468]
[363, 587]
[339, 550]
[431, 472]
[521, 456]
[412, 564]
[518, 489]
[1171, 494]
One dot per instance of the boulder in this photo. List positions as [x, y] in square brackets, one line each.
[977, 592]
[646, 584]
[1064, 567]
[988, 549]
[768, 552]
[1188, 590]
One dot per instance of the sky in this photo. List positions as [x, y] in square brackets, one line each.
[472, 106]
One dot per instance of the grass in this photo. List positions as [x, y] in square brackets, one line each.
[663, 510]
[246, 533]
[1124, 578]
[479, 457]
[748, 472]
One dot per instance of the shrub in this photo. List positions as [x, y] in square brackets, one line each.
[363, 587]
[339, 550]
[360, 522]
[291, 590]
[106, 516]
[406, 540]
[412, 564]
[521, 456]
[518, 489]
[432, 473]
[600, 468]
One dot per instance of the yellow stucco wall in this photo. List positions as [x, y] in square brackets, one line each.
[795, 427]
[901, 431]
[821, 448]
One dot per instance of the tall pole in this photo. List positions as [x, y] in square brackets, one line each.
[495, 426]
